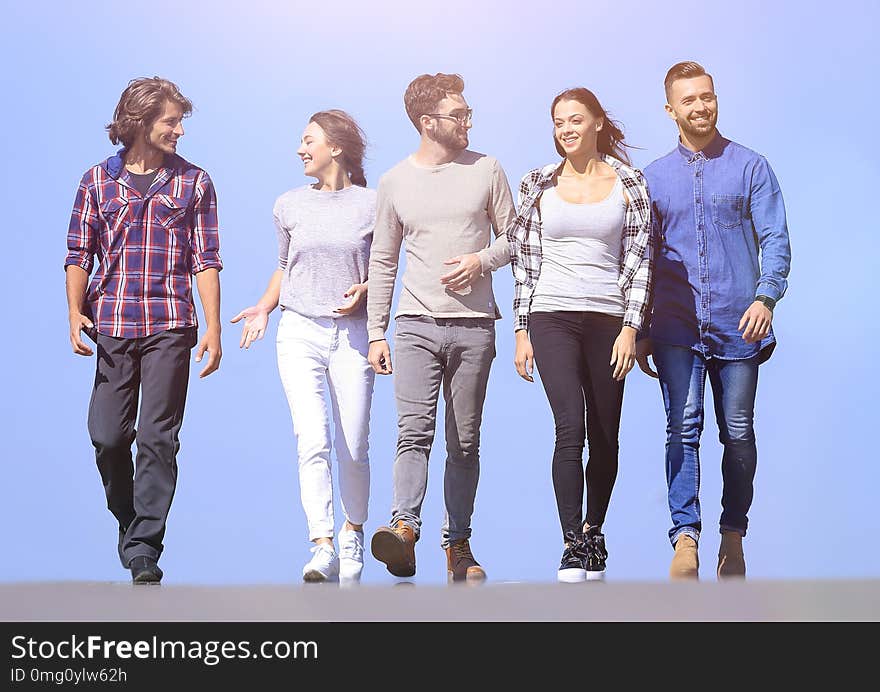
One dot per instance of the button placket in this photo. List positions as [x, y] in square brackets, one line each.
[702, 250]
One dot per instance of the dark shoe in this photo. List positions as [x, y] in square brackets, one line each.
[573, 567]
[396, 547]
[731, 562]
[594, 540]
[461, 565]
[144, 570]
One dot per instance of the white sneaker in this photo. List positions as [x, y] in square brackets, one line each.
[324, 565]
[351, 555]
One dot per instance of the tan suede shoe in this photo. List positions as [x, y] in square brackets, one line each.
[685, 563]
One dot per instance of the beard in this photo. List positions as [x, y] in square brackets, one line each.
[699, 131]
[455, 139]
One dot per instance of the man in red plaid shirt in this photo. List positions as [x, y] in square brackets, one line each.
[147, 219]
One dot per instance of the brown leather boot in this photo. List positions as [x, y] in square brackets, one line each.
[731, 562]
[396, 547]
[461, 565]
[686, 562]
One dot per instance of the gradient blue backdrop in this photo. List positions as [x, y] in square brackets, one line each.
[796, 82]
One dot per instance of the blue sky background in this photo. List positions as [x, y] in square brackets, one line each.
[796, 82]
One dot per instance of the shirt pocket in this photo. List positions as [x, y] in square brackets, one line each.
[114, 211]
[727, 210]
[170, 235]
[169, 211]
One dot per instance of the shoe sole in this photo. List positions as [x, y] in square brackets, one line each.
[595, 575]
[313, 576]
[388, 549]
[478, 578]
[146, 578]
[571, 575]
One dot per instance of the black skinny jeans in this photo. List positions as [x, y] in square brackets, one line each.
[572, 352]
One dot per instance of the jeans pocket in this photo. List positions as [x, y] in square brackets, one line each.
[727, 210]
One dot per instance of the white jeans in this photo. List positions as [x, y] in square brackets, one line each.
[317, 357]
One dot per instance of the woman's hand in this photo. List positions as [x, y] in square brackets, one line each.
[355, 295]
[524, 360]
[256, 318]
[623, 353]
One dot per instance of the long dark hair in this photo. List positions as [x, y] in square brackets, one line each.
[342, 131]
[610, 136]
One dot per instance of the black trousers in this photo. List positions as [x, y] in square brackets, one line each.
[152, 371]
[572, 353]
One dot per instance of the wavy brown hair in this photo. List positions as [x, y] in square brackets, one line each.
[140, 105]
[425, 93]
[610, 139]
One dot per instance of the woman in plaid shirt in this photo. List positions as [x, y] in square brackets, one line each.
[581, 259]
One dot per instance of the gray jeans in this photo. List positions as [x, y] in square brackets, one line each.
[457, 353]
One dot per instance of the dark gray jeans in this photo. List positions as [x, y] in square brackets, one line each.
[154, 369]
[456, 353]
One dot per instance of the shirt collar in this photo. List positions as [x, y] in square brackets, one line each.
[712, 150]
[115, 167]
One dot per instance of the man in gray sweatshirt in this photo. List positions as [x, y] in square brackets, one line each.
[443, 203]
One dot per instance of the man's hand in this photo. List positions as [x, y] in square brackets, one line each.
[645, 348]
[355, 295]
[256, 318]
[756, 321]
[379, 357]
[211, 343]
[524, 358]
[78, 322]
[468, 270]
[623, 353]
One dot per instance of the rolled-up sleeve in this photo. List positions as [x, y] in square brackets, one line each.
[205, 231]
[82, 236]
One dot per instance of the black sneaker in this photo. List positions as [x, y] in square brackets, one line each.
[572, 569]
[594, 541]
[144, 570]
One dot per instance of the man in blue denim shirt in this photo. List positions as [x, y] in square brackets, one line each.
[722, 256]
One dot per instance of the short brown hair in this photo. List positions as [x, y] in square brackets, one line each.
[426, 91]
[684, 70]
[140, 105]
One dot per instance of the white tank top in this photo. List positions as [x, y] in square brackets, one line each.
[581, 247]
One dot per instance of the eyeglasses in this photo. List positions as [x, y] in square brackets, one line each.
[462, 118]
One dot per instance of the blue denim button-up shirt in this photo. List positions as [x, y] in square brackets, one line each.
[713, 211]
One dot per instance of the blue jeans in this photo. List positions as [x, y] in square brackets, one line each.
[734, 384]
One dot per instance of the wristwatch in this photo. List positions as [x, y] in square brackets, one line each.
[767, 300]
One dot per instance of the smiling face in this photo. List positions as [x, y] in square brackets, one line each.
[693, 106]
[316, 153]
[163, 134]
[447, 131]
[575, 129]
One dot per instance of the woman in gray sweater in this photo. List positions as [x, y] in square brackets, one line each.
[324, 235]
